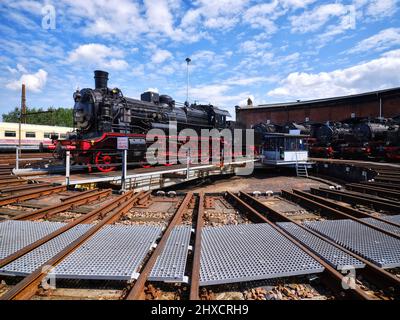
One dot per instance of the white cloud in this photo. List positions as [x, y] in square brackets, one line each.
[98, 56]
[383, 40]
[252, 46]
[159, 56]
[222, 14]
[313, 20]
[372, 75]
[382, 8]
[34, 82]
[216, 94]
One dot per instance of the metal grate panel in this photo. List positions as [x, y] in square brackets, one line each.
[382, 225]
[373, 245]
[15, 235]
[114, 253]
[34, 259]
[395, 218]
[334, 256]
[247, 252]
[170, 265]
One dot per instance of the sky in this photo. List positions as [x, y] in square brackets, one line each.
[271, 51]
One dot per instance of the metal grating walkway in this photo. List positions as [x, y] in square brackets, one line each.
[15, 235]
[170, 265]
[395, 218]
[334, 256]
[238, 253]
[115, 252]
[373, 245]
[34, 259]
[382, 225]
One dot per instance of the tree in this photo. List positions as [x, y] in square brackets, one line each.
[57, 117]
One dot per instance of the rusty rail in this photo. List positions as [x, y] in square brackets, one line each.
[57, 208]
[382, 278]
[314, 202]
[331, 275]
[344, 209]
[29, 186]
[354, 200]
[31, 195]
[381, 185]
[195, 279]
[377, 191]
[109, 206]
[137, 291]
[74, 196]
[29, 285]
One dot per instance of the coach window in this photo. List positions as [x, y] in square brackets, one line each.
[30, 135]
[47, 135]
[10, 134]
[63, 136]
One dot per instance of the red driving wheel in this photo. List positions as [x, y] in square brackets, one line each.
[103, 161]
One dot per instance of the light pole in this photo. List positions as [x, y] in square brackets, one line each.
[188, 60]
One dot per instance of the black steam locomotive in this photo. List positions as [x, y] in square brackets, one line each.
[357, 138]
[101, 115]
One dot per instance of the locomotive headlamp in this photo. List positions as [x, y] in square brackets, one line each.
[92, 142]
[115, 90]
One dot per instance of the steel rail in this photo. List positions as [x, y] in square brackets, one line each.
[74, 196]
[381, 192]
[352, 199]
[380, 277]
[381, 185]
[12, 182]
[27, 288]
[331, 276]
[29, 186]
[9, 177]
[31, 195]
[384, 179]
[57, 208]
[369, 196]
[351, 211]
[317, 203]
[195, 278]
[107, 207]
[137, 291]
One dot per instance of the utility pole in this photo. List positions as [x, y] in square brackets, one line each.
[188, 60]
[22, 113]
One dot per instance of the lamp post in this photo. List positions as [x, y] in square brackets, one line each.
[188, 60]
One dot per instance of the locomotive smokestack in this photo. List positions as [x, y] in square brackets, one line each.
[100, 79]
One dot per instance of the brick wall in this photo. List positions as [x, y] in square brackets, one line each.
[321, 112]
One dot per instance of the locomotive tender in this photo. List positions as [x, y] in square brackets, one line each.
[101, 115]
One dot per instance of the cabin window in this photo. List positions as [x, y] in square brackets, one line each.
[10, 134]
[30, 135]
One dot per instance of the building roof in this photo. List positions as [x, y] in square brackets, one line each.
[372, 94]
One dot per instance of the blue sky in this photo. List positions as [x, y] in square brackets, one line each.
[272, 51]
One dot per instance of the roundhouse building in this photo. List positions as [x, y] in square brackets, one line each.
[383, 103]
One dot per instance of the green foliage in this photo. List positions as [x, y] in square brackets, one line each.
[58, 117]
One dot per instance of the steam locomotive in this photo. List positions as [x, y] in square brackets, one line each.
[359, 138]
[101, 115]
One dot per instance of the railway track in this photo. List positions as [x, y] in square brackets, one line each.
[210, 216]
